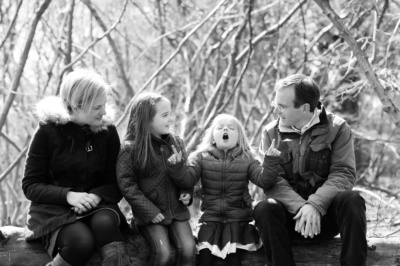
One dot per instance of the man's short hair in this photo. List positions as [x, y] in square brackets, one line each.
[306, 90]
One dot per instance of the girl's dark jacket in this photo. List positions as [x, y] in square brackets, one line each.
[156, 190]
[57, 162]
[224, 179]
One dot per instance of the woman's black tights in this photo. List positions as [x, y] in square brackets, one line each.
[77, 241]
[208, 259]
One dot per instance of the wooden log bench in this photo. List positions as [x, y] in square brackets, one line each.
[14, 251]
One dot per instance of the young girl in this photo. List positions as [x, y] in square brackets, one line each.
[149, 172]
[70, 175]
[225, 162]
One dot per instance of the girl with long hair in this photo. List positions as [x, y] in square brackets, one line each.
[150, 172]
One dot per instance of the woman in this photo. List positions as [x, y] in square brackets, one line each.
[70, 176]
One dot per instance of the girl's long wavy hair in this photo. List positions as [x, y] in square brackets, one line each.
[141, 115]
[207, 141]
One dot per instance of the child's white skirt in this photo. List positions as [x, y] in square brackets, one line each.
[224, 238]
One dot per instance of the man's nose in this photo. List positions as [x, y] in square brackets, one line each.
[276, 111]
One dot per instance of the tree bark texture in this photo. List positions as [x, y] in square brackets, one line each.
[381, 251]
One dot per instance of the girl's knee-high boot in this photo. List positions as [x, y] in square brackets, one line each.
[58, 261]
[115, 253]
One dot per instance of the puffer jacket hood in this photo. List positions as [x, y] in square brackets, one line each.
[52, 110]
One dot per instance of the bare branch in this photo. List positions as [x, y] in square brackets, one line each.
[11, 24]
[13, 164]
[270, 30]
[9, 140]
[79, 57]
[69, 34]
[169, 59]
[389, 107]
[390, 42]
[261, 125]
[22, 62]
[118, 58]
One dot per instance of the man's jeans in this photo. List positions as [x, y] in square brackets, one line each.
[346, 215]
[159, 236]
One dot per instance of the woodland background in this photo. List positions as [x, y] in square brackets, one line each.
[210, 57]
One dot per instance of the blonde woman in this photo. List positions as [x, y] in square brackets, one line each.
[70, 175]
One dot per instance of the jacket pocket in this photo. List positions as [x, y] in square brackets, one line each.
[320, 159]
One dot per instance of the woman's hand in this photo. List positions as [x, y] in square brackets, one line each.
[81, 201]
[176, 157]
[158, 219]
[272, 151]
[185, 198]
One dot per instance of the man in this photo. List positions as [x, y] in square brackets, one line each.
[313, 196]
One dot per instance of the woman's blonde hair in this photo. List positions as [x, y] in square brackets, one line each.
[207, 141]
[81, 88]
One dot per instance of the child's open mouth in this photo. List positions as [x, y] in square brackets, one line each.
[225, 136]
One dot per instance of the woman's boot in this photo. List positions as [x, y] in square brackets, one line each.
[115, 253]
[58, 261]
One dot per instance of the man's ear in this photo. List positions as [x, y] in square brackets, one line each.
[306, 107]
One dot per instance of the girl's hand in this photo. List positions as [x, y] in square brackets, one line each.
[185, 198]
[158, 219]
[272, 151]
[81, 201]
[176, 157]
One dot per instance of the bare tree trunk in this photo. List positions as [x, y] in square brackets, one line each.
[388, 105]
[69, 35]
[22, 62]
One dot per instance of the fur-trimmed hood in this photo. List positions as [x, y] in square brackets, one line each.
[52, 110]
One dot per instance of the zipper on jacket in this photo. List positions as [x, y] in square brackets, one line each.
[72, 145]
[168, 193]
[223, 187]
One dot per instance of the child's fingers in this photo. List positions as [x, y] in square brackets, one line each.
[276, 152]
[179, 156]
[272, 144]
[174, 150]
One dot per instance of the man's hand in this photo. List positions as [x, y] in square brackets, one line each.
[158, 219]
[308, 221]
[185, 198]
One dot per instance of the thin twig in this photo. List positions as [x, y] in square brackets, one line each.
[14, 163]
[11, 24]
[79, 57]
